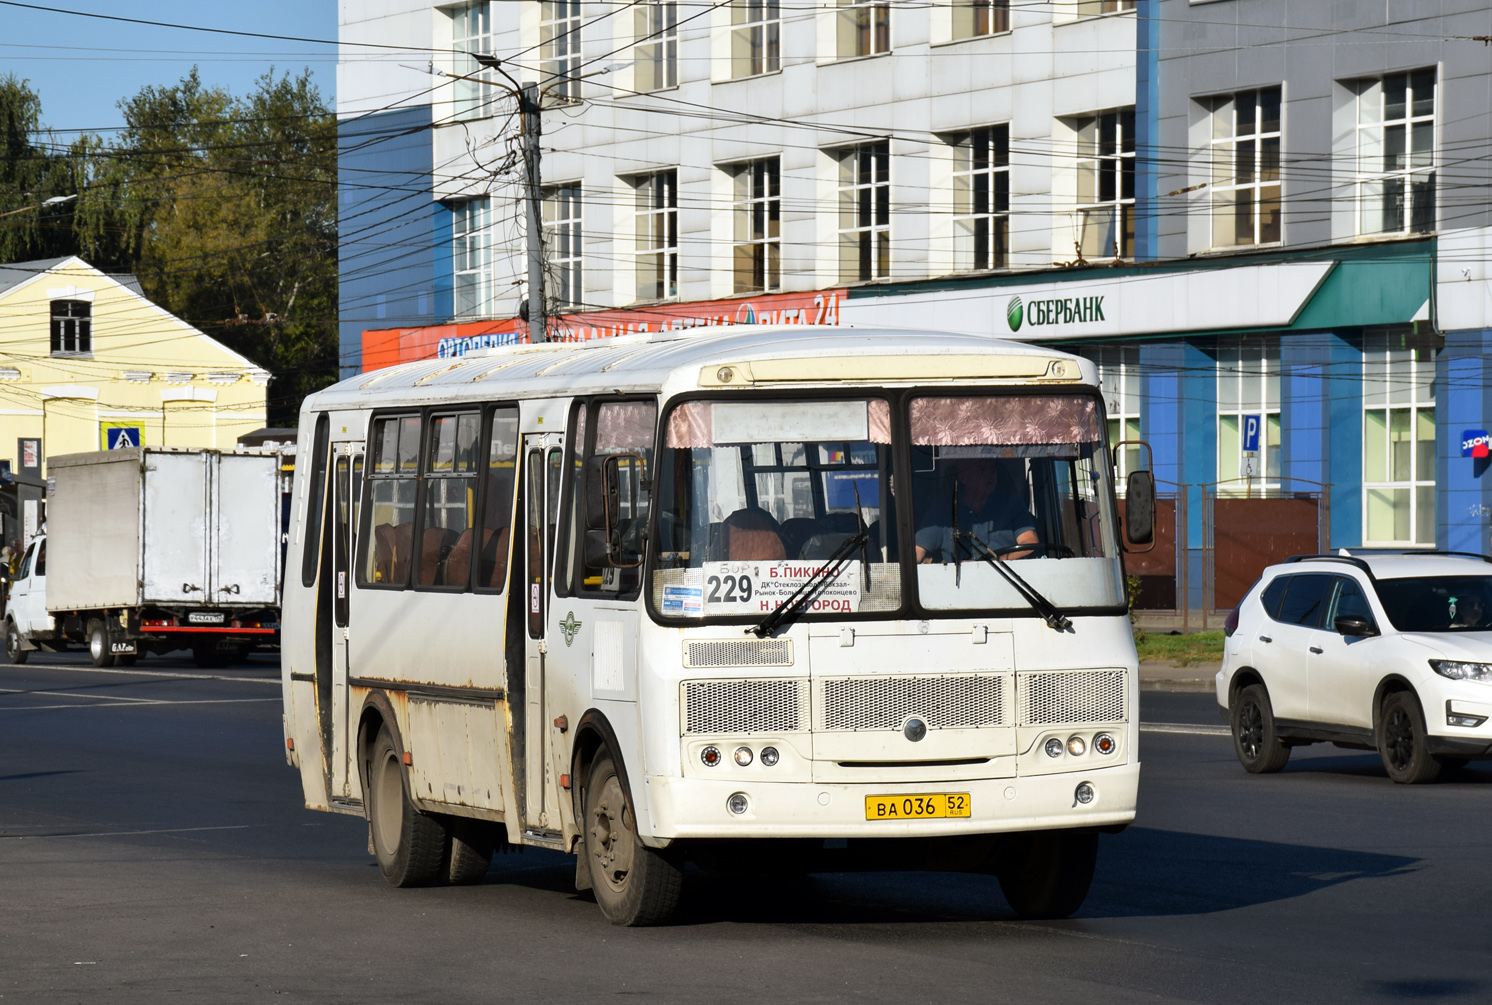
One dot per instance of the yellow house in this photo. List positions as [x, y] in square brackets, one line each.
[88, 363]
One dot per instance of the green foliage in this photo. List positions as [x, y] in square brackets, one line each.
[225, 208]
[1181, 650]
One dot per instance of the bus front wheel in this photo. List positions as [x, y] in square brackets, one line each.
[410, 846]
[1046, 874]
[633, 884]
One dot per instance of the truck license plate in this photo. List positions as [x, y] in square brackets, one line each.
[921, 807]
[205, 618]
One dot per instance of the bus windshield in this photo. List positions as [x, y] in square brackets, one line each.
[755, 496]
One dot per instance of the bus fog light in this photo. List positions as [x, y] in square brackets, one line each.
[1105, 744]
[1084, 794]
[1054, 747]
[738, 803]
[710, 756]
[743, 756]
[1076, 745]
[770, 756]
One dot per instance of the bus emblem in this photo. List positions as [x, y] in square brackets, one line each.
[569, 627]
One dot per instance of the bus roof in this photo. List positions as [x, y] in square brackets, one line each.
[733, 356]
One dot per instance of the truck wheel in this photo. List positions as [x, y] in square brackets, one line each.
[98, 645]
[633, 884]
[410, 846]
[471, 851]
[1046, 874]
[14, 654]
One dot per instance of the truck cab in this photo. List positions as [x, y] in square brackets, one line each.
[26, 617]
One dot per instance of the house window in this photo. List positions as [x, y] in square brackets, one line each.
[972, 18]
[559, 47]
[1396, 153]
[1398, 441]
[471, 32]
[657, 235]
[1246, 168]
[1248, 400]
[72, 327]
[1106, 183]
[981, 198]
[471, 226]
[865, 212]
[1119, 376]
[656, 57]
[757, 235]
[862, 29]
[1092, 8]
[755, 38]
[562, 243]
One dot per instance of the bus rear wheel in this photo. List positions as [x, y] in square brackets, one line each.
[410, 846]
[1046, 874]
[634, 885]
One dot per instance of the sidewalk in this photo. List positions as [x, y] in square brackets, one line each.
[1161, 676]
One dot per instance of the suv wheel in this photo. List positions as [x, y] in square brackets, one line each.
[1260, 749]
[1402, 741]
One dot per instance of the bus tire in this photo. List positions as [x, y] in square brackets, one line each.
[634, 885]
[98, 645]
[14, 653]
[471, 852]
[1046, 874]
[410, 846]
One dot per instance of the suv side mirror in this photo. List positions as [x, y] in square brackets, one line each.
[1139, 508]
[1354, 626]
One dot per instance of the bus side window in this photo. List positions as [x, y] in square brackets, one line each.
[315, 497]
[446, 528]
[392, 487]
[497, 503]
[625, 428]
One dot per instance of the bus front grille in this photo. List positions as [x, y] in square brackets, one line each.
[1072, 697]
[943, 702]
[744, 706]
[739, 653]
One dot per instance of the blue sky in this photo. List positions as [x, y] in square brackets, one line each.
[83, 66]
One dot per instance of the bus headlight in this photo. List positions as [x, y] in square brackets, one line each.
[743, 756]
[1105, 744]
[770, 756]
[1083, 794]
[738, 803]
[710, 756]
[1054, 747]
[1076, 745]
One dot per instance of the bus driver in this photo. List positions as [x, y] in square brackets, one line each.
[999, 519]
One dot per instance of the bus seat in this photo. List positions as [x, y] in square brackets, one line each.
[494, 558]
[796, 530]
[403, 551]
[458, 561]
[383, 553]
[751, 535]
[435, 545]
[823, 545]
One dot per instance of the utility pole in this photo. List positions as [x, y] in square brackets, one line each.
[531, 126]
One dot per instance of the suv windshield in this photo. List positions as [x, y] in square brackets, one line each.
[754, 496]
[1438, 603]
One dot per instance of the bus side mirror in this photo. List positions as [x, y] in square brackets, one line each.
[1139, 508]
[602, 492]
[610, 502]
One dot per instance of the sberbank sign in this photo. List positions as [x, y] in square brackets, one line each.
[1061, 311]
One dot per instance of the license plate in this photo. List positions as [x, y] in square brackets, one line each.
[924, 807]
[204, 618]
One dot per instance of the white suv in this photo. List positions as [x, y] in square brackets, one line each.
[1376, 651]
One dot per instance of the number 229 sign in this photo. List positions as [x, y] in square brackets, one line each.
[758, 587]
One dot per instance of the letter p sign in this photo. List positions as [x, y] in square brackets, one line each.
[1251, 424]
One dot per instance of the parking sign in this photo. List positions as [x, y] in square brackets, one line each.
[1251, 425]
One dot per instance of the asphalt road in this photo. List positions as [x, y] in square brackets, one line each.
[153, 846]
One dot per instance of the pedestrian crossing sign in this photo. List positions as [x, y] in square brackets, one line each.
[121, 437]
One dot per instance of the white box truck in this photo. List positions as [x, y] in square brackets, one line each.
[153, 549]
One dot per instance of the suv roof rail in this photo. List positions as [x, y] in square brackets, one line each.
[1424, 551]
[1352, 560]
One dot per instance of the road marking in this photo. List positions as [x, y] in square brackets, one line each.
[1185, 728]
[275, 680]
[137, 703]
[105, 834]
[70, 694]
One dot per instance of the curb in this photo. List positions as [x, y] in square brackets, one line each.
[1196, 685]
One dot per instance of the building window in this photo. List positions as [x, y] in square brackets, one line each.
[562, 244]
[656, 57]
[755, 38]
[1396, 153]
[757, 228]
[972, 18]
[1246, 168]
[1119, 376]
[1093, 8]
[865, 212]
[1398, 442]
[471, 230]
[559, 47]
[1106, 183]
[657, 235]
[981, 198]
[1248, 413]
[863, 29]
[72, 327]
[471, 32]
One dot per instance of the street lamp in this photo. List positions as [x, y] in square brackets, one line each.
[56, 200]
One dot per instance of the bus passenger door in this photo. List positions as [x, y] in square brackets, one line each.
[541, 492]
[347, 479]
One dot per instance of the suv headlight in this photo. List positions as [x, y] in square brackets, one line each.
[1456, 670]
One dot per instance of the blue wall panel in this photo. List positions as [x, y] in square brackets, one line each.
[1463, 504]
[1344, 443]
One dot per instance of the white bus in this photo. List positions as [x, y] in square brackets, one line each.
[853, 595]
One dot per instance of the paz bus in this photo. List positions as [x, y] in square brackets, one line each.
[809, 597]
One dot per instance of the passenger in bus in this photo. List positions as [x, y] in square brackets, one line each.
[990, 507]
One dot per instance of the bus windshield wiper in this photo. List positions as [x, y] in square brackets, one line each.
[1055, 619]
[803, 595]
